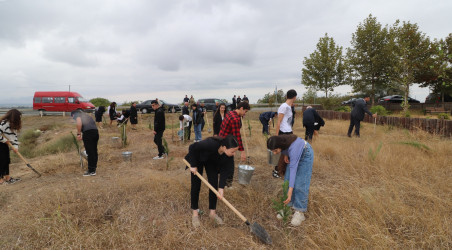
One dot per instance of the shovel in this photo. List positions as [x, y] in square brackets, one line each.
[23, 159]
[255, 228]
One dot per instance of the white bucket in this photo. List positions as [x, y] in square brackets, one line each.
[84, 155]
[245, 174]
[127, 156]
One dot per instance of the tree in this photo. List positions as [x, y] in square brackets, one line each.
[98, 101]
[413, 54]
[324, 69]
[441, 67]
[270, 98]
[310, 95]
[369, 58]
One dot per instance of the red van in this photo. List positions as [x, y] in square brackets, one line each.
[61, 101]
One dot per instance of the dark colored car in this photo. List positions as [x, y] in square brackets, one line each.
[210, 103]
[145, 107]
[349, 102]
[436, 98]
[396, 99]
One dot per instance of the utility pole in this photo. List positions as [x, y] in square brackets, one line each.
[69, 88]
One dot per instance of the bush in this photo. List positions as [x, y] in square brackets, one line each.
[344, 109]
[98, 101]
[378, 109]
[443, 116]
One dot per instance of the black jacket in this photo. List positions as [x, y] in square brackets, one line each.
[133, 112]
[197, 116]
[185, 110]
[205, 153]
[310, 116]
[217, 123]
[159, 120]
[360, 107]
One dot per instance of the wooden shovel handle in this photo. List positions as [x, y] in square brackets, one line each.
[218, 194]
[245, 140]
[20, 155]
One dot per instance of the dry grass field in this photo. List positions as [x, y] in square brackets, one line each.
[361, 197]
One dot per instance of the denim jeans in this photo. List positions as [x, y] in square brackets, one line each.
[197, 129]
[300, 192]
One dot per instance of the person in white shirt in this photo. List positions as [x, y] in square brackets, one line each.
[184, 121]
[285, 115]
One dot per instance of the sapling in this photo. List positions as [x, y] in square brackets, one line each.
[166, 149]
[123, 131]
[78, 148]
[279, 206]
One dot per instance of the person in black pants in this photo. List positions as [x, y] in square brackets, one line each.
[159, 128]
[99, 115]
[357, 115]
[10, 125]
[310, 117]
[215, 155]
[86, 125]
[133, 115]
[265, 118]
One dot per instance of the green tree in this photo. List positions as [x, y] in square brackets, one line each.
[98, 101]
[369, 58]
[310, 95]
[413, 53]
[324, 69]
[441, 67]
[271, 98]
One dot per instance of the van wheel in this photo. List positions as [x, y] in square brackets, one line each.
[144, 111]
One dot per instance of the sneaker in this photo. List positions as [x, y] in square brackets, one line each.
[12, 180]
[297, 219]
[216, 219]
[87, 173]
[158, 157]
[195, 221]
[275, 174]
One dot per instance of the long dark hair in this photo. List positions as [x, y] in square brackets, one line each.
[13, 116]
[283, 142]
[230, 141]
[217, 112]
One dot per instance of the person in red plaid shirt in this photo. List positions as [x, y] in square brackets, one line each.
[231, 125]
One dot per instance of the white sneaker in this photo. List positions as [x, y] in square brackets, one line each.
[297, 218]
[195, 221]
[216, 219]
[158, 157]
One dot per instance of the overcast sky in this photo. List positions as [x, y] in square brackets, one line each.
[139, 50]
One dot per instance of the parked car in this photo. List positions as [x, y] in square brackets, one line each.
[62, 101]
[349, 102]
[396, 99]
[210, 103]
[436, 98]
[145, 107]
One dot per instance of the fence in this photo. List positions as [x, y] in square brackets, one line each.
[435, 126]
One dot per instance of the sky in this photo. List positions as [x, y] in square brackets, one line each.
[139, 50]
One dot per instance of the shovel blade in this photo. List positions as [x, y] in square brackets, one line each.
[260, 232]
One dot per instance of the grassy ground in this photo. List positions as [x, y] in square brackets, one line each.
[362, 195]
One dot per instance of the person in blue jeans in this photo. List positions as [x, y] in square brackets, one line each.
[299, 156]
[265, 119]
[197, 118]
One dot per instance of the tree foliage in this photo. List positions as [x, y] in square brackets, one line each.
[412, 50]
[271, 98]
[369, 58]
[98, 101]
[324, 69]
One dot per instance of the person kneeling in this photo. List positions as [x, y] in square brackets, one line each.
[215, 155]
[299, 156]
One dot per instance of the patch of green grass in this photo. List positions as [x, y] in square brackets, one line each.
[63, 144]
[27, 141]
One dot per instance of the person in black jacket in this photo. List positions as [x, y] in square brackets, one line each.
[234, 103]
[98, 114]
[357, 115]
[112, 112]
[213, 154]
[133, 115]
[186, 111]
[265, 118]
[197, 118]
[218, 118]
[310, 118]
[159, 128]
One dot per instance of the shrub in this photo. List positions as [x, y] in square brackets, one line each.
[378, 109]
[63, 144]
[407, 114]
[98, 101]
[343, 109]
[443, 116]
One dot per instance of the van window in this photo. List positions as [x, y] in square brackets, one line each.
[37, 100]
[60, 99]
[47, 100]
[71, 99]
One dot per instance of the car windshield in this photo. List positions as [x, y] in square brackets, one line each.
[81, 99]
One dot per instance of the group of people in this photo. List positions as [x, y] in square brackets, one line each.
[120, 117]
[214, 154]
